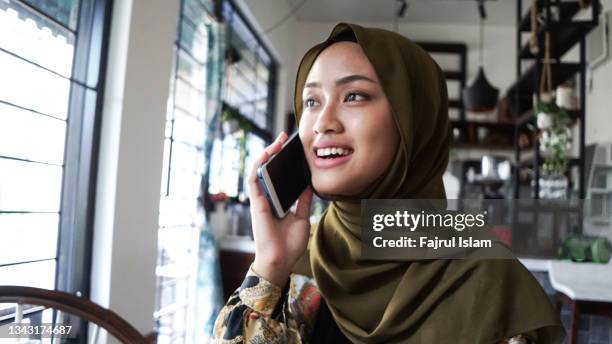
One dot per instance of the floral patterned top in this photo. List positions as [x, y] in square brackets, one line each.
[260, 312]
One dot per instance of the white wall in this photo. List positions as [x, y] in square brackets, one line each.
[131, 149]
[598, 114]
[499, 61]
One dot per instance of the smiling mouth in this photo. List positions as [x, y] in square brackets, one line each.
[332, 152]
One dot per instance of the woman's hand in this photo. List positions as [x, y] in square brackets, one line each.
[279, 243]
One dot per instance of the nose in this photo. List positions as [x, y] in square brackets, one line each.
[327, 120]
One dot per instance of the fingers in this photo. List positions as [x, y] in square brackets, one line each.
[303, 207]
[268, 151]
[277, 144]
[254, 189]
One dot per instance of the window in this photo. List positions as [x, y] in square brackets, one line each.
[250, 84]
[250, 79]
[48, 97]
[51, 63]
[183, 167]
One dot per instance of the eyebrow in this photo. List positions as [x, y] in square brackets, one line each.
[342, 81]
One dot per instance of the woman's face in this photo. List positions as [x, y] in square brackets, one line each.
[346, 126]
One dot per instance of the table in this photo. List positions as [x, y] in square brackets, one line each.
[585, 287]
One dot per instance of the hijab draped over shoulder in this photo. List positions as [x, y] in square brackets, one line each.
[436, 301]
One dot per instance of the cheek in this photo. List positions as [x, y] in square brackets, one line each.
[376, 128]
[305, 130]
[378, 139]
[305, 123]
[389, 137]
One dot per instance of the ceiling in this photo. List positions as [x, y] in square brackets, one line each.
[499, 12]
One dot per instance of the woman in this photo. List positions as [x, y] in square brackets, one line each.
[373, 119]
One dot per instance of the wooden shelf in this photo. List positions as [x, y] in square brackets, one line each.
[528, 82]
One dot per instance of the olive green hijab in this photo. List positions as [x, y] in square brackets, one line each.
[436, 301]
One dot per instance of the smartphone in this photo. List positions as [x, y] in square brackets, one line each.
[285, 176]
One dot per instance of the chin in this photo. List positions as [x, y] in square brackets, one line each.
[331, 186]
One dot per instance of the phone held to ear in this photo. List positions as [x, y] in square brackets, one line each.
[285, 176]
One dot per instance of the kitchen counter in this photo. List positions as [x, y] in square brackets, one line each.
[579, 281]
[536, 265]
[582, 281]
[237, 243]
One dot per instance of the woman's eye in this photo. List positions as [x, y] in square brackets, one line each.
[352, 97]
[310, 102]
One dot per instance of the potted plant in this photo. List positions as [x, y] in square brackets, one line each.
[233, 123]
[555, 143]
[230, 122]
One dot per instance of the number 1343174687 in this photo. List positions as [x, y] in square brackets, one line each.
[38, 330]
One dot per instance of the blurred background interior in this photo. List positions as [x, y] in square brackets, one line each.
[126, 127]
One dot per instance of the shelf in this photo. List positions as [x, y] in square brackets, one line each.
[563, 37]
[567, 10]
[492, 125]
[482, 146]
[549, 205]
[500, 135]
[529, 162]
[456, 75]
[455, 103]
[529, 118]
[528, 83]
[453, 75]
[443, 47]
[567, 31]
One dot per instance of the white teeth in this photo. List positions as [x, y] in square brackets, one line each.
[332, 151]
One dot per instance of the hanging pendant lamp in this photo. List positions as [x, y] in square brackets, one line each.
[481, 96]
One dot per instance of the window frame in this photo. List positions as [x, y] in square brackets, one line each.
[81, 147]
[164, 283]
[263, 133]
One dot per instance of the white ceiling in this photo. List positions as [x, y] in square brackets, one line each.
[499, 12]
